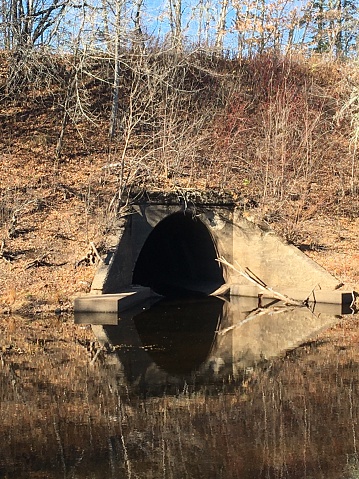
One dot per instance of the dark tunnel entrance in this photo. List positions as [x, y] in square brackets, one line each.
[179, 257]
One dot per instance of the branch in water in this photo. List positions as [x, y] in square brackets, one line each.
[253, 278]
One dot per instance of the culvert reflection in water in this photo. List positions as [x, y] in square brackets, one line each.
[291, 417]
[195, 341]
[180, 333]
[165, 347]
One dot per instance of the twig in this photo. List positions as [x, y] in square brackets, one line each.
[255, 314]
[312, 293]
[97, 354]
[41, 261]
[90, 257]
[96, 253]
[222, 290]
[251, 277]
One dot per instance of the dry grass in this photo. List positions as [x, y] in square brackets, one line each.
[277, 130]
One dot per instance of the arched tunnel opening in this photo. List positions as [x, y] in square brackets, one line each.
[178, 258]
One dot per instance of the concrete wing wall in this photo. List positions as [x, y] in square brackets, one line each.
[279, 264]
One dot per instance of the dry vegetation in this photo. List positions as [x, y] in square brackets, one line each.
[277, 132]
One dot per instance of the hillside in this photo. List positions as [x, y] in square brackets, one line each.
[278, 133]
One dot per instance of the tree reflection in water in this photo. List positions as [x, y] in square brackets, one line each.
[294, 417]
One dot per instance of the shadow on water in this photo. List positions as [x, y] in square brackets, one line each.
[203, 388]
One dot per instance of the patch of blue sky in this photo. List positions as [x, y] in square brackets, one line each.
[199, 22]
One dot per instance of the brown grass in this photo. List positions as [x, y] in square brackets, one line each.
[271, 129]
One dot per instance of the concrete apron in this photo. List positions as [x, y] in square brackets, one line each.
[138, 298]
[315, 296]
[135, 299]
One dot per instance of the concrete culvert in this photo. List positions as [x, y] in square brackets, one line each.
[179, 257]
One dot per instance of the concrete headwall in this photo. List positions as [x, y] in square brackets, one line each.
[221, 223]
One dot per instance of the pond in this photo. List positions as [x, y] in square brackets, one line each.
[196, 388]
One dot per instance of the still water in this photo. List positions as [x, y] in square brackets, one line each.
[197, 388]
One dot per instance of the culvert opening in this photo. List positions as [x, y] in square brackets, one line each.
[179, 258]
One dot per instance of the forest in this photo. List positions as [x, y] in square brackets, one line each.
[97, 99]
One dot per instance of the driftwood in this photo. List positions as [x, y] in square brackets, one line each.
[254, 279]
[40, 261]
[222, 290]
[5, 255]
[91, 257]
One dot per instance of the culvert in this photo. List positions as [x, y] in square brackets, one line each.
[170, 243]
[178, 257]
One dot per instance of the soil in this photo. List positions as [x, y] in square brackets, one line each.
[51, 220]
[54, 208]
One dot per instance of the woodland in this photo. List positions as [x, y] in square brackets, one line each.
[101, 98]
[97, 99]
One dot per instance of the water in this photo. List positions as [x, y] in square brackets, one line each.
[202, 388]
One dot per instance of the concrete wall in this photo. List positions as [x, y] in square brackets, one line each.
[280, 265]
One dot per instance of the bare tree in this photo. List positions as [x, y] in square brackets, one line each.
[175, 12]
[139, 41]
[116, 79]
[221, 25]
[26, 23]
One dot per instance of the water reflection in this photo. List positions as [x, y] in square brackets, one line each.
[205, 340]
[62, 416]
[179, 335]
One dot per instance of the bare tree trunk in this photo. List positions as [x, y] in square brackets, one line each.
[262, 40]
[4, 23]
[116, 79]
[106, 31]
[207, 21]
[138, 40]
[221, 26]
[339, 30]
[65, 117]
[175, 7]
